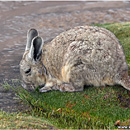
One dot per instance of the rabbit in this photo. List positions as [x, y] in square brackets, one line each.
[84, 55]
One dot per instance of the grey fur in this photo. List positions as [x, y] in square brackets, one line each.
[85, 55]
[30, 35]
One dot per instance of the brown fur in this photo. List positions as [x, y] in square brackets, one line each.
[81, 56]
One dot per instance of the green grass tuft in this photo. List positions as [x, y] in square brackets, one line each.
[22, 121]
[93, 108]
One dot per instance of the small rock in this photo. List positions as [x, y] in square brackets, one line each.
[117, 123]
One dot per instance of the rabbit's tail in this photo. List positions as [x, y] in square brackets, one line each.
[126, 86]
[125, 81]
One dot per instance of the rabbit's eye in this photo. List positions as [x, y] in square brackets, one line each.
[28, 71]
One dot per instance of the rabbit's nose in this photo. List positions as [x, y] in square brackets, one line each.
[28, 86]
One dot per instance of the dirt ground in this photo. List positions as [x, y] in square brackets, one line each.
[50, 19]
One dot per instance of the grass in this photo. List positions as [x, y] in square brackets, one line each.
[22, 121]
[94, 108]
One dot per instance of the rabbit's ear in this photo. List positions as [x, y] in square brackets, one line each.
[35, 51]
[30, 35]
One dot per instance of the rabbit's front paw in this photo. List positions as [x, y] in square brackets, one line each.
[49, 88]
[45, 89]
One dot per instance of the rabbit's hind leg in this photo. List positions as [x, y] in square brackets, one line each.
[68, 87]
[75, 82]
